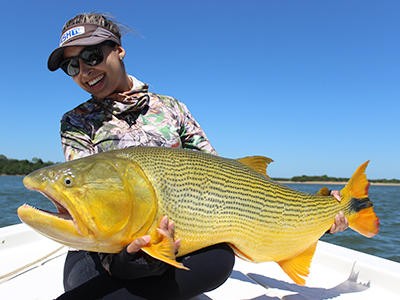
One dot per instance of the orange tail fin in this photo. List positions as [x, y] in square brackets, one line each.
[362, 217]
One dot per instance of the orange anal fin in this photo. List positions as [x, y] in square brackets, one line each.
[298, 267]
[163, 249]
[365, 222]
[240, 254]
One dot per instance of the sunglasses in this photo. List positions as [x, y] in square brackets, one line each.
[91, 56]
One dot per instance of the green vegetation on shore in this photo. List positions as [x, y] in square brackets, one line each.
[23, 167]
[325, 178]
[20, 167]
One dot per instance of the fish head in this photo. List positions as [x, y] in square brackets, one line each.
[102, 202]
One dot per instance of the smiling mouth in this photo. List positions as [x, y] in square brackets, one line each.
[96, 80]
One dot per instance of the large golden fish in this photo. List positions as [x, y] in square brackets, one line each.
[107, 200]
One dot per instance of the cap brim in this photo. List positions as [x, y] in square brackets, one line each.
[57, 56]
[55, 59]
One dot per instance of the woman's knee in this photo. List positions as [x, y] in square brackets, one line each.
[209, 267]
[80, 266]
[223, 260]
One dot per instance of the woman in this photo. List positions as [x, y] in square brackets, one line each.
[123, 113]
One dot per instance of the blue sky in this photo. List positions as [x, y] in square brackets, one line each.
[312, 84]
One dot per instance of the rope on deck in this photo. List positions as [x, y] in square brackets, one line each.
[28, 266]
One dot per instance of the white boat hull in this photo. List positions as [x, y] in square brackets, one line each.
[31, 267]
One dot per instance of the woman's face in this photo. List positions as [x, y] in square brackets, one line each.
[103, 79]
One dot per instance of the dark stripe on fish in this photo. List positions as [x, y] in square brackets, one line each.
[360, 204]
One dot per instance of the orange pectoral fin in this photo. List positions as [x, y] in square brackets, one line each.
[365, 222]
[164, 250]
[298, 267]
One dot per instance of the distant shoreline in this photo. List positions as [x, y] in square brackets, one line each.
[335, 182]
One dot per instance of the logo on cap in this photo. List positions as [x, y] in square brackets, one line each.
[69, 34]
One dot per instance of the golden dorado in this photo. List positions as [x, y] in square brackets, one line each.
[107, 200]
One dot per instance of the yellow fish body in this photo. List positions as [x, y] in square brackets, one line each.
[107, 200]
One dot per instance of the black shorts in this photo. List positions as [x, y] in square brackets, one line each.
[85, 277]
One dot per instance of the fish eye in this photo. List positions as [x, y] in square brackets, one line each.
[68, 181]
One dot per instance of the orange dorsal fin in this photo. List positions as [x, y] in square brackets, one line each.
[257, 163]
[362, 217]
[298, 267]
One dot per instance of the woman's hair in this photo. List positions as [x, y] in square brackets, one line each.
[94, 18]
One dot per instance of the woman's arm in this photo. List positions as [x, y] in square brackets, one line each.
[75, 142]
[192, 135]
[133, 263]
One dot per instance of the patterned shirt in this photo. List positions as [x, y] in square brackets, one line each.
[135, 118]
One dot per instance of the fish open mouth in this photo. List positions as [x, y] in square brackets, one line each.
[54, 223]
[62, 211]
[57, 224]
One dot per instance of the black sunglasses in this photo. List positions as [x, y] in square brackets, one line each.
[91, 56]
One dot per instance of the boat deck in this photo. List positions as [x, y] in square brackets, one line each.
[31, 267]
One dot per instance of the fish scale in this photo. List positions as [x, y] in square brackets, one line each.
[242, 192]
[115, 197]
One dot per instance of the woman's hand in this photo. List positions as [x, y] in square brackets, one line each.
[341, 222]
[137, 244]
[336, 194]
[166, 228]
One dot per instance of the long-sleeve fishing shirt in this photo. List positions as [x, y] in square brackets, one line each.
[135, 118]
